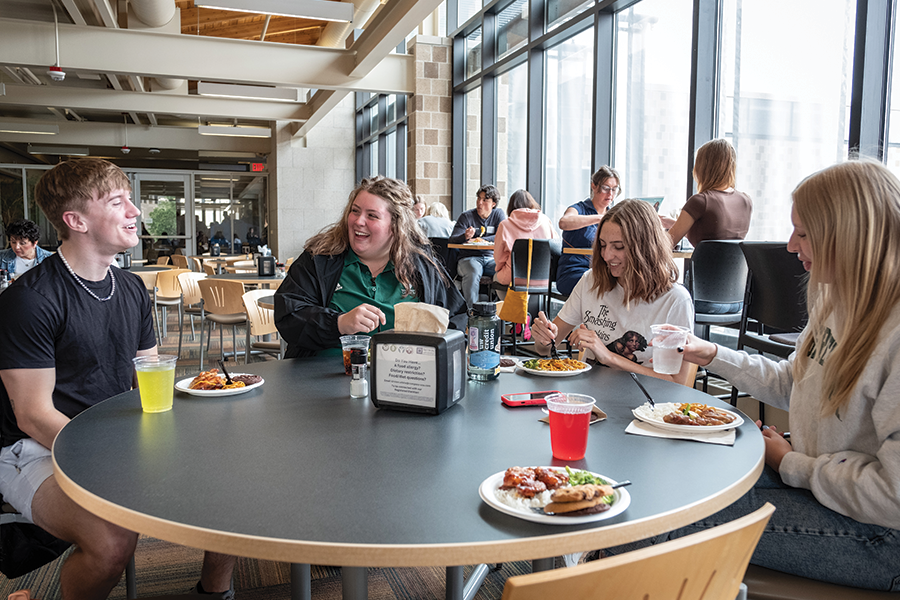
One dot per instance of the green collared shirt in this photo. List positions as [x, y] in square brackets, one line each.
[357, 286]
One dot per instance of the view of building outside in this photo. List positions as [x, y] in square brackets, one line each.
[652, 87]
[784, 98]
[568, 124]
[473, 146]
[512, 105]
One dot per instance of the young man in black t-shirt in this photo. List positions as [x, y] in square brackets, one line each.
[69, 329]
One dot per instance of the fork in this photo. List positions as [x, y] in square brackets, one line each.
[553, 353]
[643, 389]
[228, 380]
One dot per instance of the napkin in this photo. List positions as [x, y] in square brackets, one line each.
[421, 317]
[597, 415]
[725, 437]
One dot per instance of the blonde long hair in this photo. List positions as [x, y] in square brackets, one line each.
[851, 214]
[716, 165]
[408, 240]
[651, 270]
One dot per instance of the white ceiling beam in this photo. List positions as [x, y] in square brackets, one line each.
[106, 13]
[141, 136]
[172, 104]
[73, 11]
[176, 56]
[387, 29]
[320, 104]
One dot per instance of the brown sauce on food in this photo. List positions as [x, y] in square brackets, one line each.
[529, 482]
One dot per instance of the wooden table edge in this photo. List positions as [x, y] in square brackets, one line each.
[402, 555]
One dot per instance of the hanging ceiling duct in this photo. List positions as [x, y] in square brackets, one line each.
[335, 33]
[156, 14]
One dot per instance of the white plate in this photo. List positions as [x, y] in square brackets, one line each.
[182, 386]
[643, 412]
[586, 368]
[488, 487]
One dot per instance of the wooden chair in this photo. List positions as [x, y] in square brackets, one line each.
[167, 293]
[180, 261]
[162, 260]
[223, 304]
[149, 279]
[288, 262]
[262, 322]
[209, 269]
[196, 264]
[190, 301]
[708, 565]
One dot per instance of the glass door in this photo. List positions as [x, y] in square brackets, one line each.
[230, 210]
[164, 202]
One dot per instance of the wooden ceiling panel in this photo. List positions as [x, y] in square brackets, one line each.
[247, 26]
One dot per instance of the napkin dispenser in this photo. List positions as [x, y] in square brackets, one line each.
[265, 266]
[418, 372]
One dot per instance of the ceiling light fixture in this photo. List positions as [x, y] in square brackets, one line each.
[227, 90]
[324, 10]
[59, 150]
[235, 131]
[29, 128]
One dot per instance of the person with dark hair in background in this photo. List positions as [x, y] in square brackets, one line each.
[23, 253]
[524, 220]
[351, 274]
[55, 362]
[479, 223]
[219, 239]
[579, 227]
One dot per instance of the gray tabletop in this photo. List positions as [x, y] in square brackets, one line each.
[298, 471]
[148, 268]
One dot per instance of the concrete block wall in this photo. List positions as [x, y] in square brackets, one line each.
[311, 179]
[430, 113]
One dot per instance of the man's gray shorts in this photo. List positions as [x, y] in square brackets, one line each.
[24, 466]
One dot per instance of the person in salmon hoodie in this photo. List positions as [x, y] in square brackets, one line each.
[525, 221]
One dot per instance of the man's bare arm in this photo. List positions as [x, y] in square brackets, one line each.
[31, 394]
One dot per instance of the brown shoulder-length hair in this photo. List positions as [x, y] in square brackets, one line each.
[651, 270]
[521, 199]
[716, 165]
[408, 241]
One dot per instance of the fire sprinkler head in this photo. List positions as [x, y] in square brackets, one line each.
[56, 73]
[125, 149]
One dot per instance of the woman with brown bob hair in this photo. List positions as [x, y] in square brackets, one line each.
[836, 481]
[351, 274]
[631, 285]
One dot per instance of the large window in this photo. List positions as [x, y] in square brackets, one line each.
[473, 146]
[785, 123]
[568, 124]
[653, 74]
[380, 122]
[512, 106]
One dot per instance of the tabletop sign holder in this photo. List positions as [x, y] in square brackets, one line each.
[418, 372]
[265, 266]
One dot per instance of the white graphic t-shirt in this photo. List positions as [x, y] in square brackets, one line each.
[626, 331]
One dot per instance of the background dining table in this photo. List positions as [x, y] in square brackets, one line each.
[297, 471]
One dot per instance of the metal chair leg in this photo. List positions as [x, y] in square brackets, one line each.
[130, 581]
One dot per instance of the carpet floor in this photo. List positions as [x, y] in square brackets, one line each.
[165, 568]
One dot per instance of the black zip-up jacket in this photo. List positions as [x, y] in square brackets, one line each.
[308, 325]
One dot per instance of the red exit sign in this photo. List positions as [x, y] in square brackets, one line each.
[257, 167]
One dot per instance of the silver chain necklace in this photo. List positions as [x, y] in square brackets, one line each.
[81, 283]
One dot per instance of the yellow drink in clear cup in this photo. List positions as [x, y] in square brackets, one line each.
[156, 381]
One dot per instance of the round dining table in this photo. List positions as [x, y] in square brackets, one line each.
[296, 470]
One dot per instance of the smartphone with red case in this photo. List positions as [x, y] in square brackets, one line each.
[526, 398]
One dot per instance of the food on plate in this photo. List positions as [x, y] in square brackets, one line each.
[554, 364]
[211, 380]
[248, 379]
[698, 414]
[479, 240]
[507, 362]
[580, 500]
[525, 488]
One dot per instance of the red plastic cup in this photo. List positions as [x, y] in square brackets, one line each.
[570, 417]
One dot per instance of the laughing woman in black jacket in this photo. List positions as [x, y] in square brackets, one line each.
[352, 273]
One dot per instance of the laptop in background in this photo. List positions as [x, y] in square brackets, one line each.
[654, 200]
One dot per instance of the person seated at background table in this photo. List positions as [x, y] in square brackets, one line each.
[579, 227]
[351, 274]
[437, 223]
[630, 286]
[524, 221]
[836, 482]
[219, 239]
[55, 362]
[419, 207]
[717, 211]
[478, 223]
[253, 239]
[23, 253]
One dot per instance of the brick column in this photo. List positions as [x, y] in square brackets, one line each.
[430, 115]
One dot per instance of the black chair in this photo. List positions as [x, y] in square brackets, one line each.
[718, 276]
[774, 301]
[538, 284]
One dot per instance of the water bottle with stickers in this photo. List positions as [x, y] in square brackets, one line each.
[484, 342]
